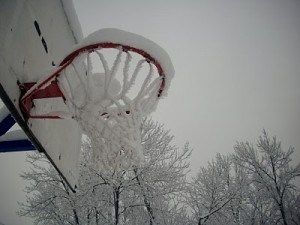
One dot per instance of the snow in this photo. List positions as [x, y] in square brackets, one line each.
[112, 35]
[110, 91]
[50, 107]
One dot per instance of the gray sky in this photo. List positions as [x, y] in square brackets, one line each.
[237, 68]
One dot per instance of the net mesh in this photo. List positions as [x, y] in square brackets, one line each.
[109, 91]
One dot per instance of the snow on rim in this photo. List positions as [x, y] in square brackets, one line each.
[111, 35]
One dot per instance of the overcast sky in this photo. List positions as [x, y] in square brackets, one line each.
[237, 68]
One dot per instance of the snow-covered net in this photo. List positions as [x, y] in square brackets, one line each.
[109, 88]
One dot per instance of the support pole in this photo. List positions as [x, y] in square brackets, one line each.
[6, 124]
[7, 143]
[16, 146]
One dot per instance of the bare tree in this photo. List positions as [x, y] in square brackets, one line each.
[211, 191]
[270, 170]
[293, 207]
[163, 177]
[47, 193]
[145, 195]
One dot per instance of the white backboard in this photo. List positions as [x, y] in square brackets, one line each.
[35, 35]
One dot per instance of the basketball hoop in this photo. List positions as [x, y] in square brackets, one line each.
[107, 100]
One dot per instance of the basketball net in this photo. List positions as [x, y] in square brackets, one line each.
[109, 88]
[104, 110]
